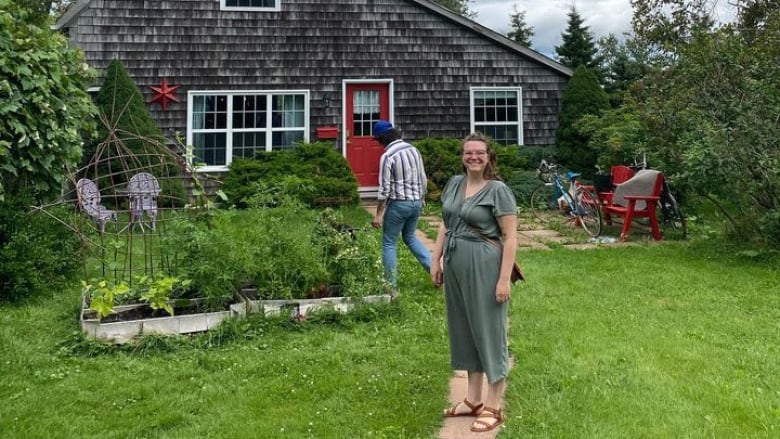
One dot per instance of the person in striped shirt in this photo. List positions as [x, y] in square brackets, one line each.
[401, 196]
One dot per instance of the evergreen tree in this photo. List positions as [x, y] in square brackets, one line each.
[520, 31]
[458, 6]
[578, 48]
[123, 113]
[129, 139]
[623, 63]
[583, 95]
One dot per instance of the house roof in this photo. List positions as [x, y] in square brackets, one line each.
[76, 9]
[495, 36]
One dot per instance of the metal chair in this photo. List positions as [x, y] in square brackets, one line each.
[89, 201]
[143, 189]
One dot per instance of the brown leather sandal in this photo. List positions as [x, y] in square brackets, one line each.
[480, 426]
[452, 412]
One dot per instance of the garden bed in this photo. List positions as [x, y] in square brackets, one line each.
[128, 321]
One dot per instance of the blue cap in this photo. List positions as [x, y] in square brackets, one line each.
[381, 127]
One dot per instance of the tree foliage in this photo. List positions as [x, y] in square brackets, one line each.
[123, 112]
[458, 6]
[578, 48]
[583, 95]
[44, 106]
[623, 63]
[707, 110]
[520, 31]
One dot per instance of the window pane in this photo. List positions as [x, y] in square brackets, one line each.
[286, 139]
[503, 134]
[210, 148]
[251, 3]
[365, 105]
[288, 111]
[247, 144]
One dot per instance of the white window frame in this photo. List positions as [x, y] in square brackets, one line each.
[229, 130]
[518, 90]
[224, 7]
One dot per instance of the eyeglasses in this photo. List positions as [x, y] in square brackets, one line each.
[475, 153]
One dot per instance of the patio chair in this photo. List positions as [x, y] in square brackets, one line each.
[637, 197]
[143, 189]
[89, 201]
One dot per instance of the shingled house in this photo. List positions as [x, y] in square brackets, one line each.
[239, 76]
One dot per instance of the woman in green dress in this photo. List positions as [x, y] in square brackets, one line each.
[478, 240]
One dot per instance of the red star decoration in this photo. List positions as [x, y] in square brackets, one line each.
[164, 94]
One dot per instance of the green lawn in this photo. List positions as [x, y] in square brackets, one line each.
[658, 341]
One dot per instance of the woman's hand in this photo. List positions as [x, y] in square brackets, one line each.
[437, 274]
[503, 290]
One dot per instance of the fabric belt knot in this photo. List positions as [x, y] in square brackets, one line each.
[451, 241]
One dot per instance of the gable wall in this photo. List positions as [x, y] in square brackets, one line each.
[315, 45]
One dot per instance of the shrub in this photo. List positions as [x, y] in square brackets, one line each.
[44, 105]
[37, 253]
[583, 95]
[442, 161]
[441, 158]
[315, 173]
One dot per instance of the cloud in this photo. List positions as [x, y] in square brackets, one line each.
[549, 19]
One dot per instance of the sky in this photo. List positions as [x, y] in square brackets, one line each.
[549, 18]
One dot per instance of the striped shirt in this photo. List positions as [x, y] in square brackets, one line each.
[401, 173]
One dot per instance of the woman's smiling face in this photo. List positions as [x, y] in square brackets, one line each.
[475, 156]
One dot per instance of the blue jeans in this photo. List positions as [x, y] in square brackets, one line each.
[401, 218]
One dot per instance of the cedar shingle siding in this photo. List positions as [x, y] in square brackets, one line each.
[432, 56]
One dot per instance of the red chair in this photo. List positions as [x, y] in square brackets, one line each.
[636, 197]
[606, 184]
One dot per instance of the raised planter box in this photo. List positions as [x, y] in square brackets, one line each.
[122, 331]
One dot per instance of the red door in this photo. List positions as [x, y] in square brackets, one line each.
[365, 104]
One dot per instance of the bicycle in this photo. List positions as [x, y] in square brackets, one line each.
[673, 221]
[551, 202]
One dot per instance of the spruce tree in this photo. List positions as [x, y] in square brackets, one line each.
[458, 6]
[129, 140]
[578, 48]
[583, 95]
[521, 32]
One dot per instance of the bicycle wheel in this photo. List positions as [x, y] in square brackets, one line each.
[672, 220]
[588, 211]
[544, 203]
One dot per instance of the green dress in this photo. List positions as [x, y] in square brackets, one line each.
[477, 323]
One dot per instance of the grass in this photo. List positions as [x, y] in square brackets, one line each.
[657, 341]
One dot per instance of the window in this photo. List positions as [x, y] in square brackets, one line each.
[249, 5]
[223, 125]
[498, 112]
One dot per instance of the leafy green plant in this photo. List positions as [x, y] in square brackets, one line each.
[103, 295]
[45, 106]
[158, 291]
[37, 252]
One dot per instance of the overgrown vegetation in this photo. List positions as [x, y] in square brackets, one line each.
[703, 104]
[287, 251]
[38, 254]
[44, 106]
